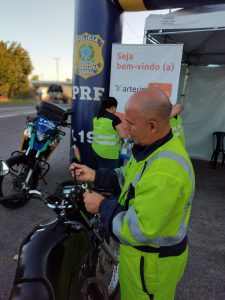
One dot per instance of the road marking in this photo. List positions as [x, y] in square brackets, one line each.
[5, 116]
[17, 115]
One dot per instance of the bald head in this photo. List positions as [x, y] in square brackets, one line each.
[149, 110]
[151, 102]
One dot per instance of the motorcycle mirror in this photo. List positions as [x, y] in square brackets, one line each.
[75, 155]
[4, 169]
[67, 113]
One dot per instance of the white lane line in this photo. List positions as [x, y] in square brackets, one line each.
[17, 115]
[6, 116]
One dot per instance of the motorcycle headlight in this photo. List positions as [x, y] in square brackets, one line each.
[40, 136]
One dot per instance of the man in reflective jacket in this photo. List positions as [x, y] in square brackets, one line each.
[150, 209]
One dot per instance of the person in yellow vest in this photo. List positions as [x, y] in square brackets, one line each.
[176, 123]
[107, 131]
[150, 209]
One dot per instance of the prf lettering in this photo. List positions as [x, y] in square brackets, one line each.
[87, 93]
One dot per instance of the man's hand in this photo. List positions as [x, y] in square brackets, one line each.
[82, 172]
[92, 201]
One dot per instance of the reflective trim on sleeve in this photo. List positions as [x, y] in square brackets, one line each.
[174, 127]
[106, 143]
[101, 136]
[117, 224]
[120, 175]
[176, 133]
[179, 159]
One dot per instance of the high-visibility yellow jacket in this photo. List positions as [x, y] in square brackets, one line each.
[176, 125]
[105, 138]
[151, 223]
[157, 193]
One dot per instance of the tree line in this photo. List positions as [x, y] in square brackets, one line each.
[15, 67]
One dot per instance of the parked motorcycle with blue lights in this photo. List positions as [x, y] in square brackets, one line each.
[67, 257]
[41, 136]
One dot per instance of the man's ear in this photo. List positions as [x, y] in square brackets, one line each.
[153, 125]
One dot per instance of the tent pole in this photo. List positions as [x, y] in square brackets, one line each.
[186, 77]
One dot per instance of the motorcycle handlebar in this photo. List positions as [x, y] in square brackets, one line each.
[31, 119]
[102, 241]
[39, 195]
[61, 132]
[65, 124]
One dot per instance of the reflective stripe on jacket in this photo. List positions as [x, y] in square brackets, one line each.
[105, 138]
[176, 125]
[158, 193]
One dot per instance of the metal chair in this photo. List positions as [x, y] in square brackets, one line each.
[218, 148]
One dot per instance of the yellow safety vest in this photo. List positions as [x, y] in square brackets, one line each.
[105, 138]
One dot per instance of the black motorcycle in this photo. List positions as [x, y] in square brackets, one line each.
[67, 257]
[41, 136]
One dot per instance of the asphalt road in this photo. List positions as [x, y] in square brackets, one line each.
[16, 224]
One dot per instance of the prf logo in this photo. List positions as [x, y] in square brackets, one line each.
[88, 55]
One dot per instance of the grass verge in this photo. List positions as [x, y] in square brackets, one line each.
[19, 102]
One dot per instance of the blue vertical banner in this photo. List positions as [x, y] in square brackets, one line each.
[98, 24]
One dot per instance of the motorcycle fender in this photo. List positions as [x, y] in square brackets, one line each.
[34, 290]
[53, 253]
[23, 140]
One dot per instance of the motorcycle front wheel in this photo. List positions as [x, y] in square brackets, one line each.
[106, 279]
[11, 184]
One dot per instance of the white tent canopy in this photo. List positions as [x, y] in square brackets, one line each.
[202, 87]
[201, 30]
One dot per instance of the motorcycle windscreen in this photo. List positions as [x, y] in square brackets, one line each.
[44, 129]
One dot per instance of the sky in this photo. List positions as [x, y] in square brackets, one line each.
[45, 28]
